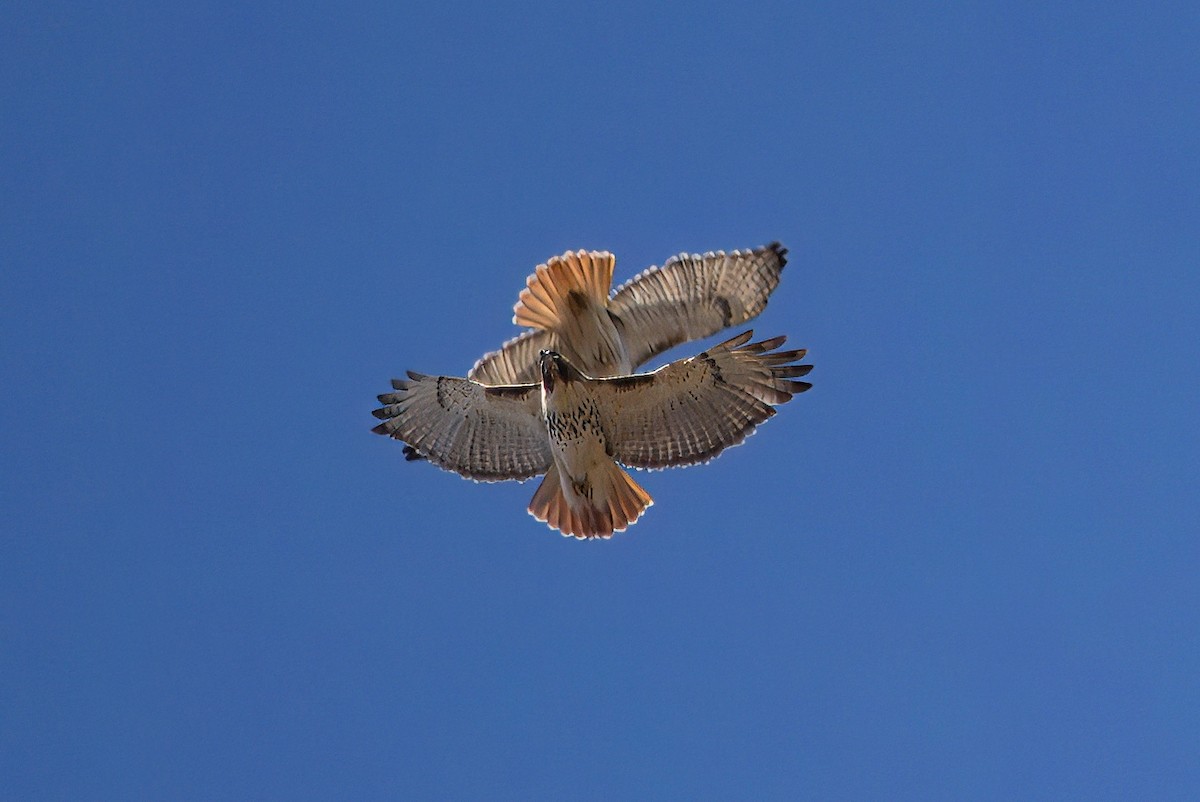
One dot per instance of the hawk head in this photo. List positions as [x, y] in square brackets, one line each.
[556, 368]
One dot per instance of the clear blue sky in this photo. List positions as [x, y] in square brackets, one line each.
[964, 566]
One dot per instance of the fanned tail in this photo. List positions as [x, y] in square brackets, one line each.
[617, 501]
[562, 282]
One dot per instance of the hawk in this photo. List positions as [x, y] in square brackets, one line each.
[566, 304]
[578, 430]
[567, 307]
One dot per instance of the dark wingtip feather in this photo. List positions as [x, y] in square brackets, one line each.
[783, 357]
[399, 384]
[799, 387]
[412, 374]
[791, 371]
[381, 429]
[768, 345]
[383, 413]
[735, 340]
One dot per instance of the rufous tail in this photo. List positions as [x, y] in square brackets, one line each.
[616, 502]
[547, 297]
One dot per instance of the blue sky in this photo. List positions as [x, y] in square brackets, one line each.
[963, 566]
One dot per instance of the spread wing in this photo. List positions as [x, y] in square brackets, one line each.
[688, 298]
[516, 362]
[484, 433]
[694, 296]
[693, 409]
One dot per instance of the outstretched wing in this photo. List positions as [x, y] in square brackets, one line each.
[516, 362]
[484, 433]
[694, 296]
[688, 298]
[693, 409]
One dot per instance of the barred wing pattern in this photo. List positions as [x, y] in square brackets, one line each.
[694, 296]
[690, 297]
[488, 434]
[516, 362]
[693, 409]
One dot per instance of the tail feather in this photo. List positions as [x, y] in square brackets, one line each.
[617, 501]
[544, 503]
[547, 298]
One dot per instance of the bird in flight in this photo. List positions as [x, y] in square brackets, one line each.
[567, 307]
[578, 430]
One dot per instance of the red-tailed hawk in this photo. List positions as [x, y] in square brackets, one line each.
[575, 429]
[567, 308]
[566, 304]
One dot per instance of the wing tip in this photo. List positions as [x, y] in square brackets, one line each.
[790, 371]
[779, 250]
[735, 341]
[769, 344]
